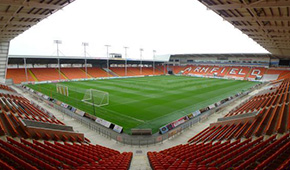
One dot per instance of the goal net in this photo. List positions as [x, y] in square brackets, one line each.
[62, 89]
[96, 97]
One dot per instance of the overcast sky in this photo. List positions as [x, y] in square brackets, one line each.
[167, 26]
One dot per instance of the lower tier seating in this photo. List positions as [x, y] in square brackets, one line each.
[35, 155]
[249, 154]
[45, 74]
[97, 72]
[18, 75]
[74, 73]
[5, 87]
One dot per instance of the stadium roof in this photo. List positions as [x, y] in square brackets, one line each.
[16, 16]
[37, 59]
[265, 21]
[248, 55]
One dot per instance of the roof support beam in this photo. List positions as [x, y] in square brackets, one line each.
[9, 14]
[275, 47]
[28, 23]
[30, 4]
[271, 34]
[269, 18]
[260, 35]
[264, 27]
[261, 4]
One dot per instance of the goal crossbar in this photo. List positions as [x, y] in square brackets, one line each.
[96, 97]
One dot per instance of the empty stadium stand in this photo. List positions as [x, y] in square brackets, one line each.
[97, 72]
[21, 121]
[18, 75]
[5, 87]
[177, 69]
[20, 118]
[45, 74]
[235, 72]
[74, 73]
[271, 153]
[47, 155]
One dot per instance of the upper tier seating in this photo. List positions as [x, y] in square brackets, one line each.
[37, 155]
[250, 154]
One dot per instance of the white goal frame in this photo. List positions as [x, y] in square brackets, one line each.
[62, 89]
[90, 91]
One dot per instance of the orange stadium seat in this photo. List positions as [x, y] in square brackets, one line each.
[47, 155]
[45, 74]
[234, 155]
[18, 75]
[74, 73]
[120, 71]
[134, 71]
[97, 72]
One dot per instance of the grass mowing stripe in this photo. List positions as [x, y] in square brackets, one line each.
[148, 102]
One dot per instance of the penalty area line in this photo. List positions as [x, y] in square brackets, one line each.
[122, 115]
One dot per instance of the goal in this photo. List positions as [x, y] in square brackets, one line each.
[96, 97]
[62, 89]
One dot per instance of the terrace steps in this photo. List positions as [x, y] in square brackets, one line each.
[32, 75]
[62, 74]
[246, 77]
[89, 76]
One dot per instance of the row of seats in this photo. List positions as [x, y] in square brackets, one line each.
[42, 74]
[5, 87]
[242, 72]
[15, 109]
[267, 122]
[258, 102]
[18, 75]
[74, 73]
[46, 74]
[69, 150]
[49, 156]
[257, 154]
[268, 114]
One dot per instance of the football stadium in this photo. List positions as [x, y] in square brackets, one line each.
[195, 111]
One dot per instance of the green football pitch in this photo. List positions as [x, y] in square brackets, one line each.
[147, 102]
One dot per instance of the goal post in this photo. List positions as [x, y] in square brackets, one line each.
[62, 89]
[96, 97]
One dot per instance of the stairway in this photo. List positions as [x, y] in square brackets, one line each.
[61, 73]
[32, 75]
[89, 76]
[111, 72]
[246, 77]
[4, 48]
